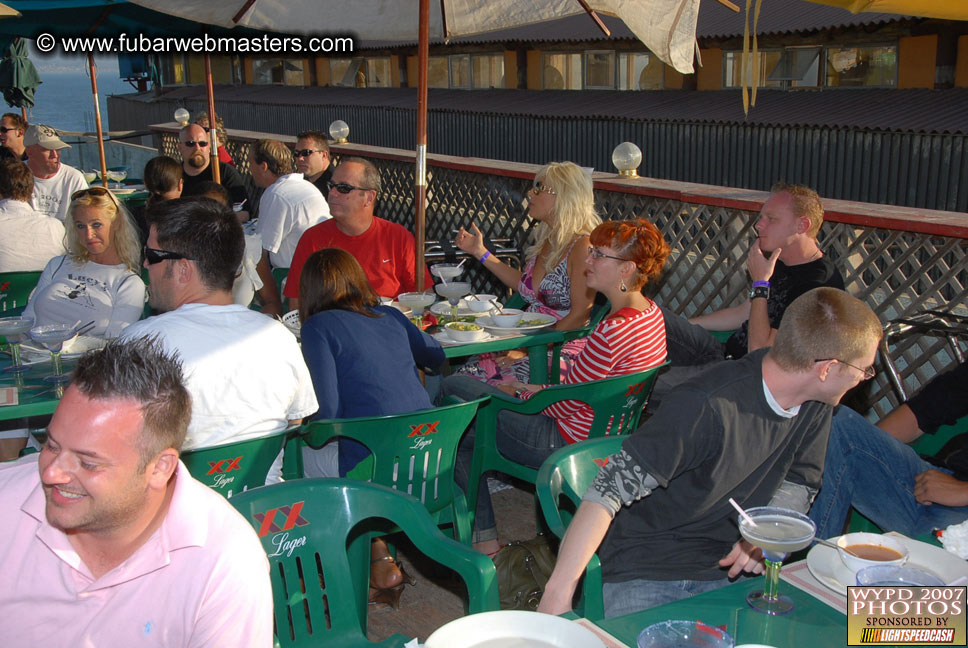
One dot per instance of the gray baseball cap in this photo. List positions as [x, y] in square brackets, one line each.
[45, 136]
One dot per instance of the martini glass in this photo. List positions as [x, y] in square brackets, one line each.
[446, 271]
[53, 336]
[417, 302]
[452, 292]
[13, 329]
[118, 175]
[778, 531]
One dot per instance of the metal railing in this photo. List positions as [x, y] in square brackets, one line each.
[900, 261]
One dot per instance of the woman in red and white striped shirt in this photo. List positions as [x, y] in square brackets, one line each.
[623, 258]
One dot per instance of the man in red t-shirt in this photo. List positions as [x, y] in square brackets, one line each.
[384, 249]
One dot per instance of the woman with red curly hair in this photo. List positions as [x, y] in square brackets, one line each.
[623, 257]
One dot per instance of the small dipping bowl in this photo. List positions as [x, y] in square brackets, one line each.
[508, 318]
[856, 563]
[454, 331]
[686, 634]
[896, 576]
[481, 304]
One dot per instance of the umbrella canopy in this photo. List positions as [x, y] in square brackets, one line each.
[948, 9]
[6, 11]
[18, 76]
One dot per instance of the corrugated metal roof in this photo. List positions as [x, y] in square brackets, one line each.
[929, 111]
[715, 21]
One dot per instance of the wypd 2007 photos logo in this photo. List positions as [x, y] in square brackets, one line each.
[925, 616]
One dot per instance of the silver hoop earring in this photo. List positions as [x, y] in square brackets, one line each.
[623, 287]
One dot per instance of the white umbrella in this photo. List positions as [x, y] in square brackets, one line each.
[666, 27]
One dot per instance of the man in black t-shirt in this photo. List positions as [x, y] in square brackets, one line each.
[197, 166]
[783, 263]
[872, 468]
[754, 430]
[312, 159]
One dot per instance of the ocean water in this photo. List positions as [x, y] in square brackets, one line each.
[64, 99]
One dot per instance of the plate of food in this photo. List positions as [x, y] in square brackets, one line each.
[513, 629]
[462, 333]
[529, 322]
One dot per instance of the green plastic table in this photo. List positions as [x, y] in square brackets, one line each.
[35, 396]
[536, 345]
[812, 623]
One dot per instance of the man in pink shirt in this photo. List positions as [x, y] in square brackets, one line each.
[108, 541]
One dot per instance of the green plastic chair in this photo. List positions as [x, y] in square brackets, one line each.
[15, 289]
[413, 453]
[312, 530]
[231, 468]
[722, 336]
[617, 403]
[562, 480]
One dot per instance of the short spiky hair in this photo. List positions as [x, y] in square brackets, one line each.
[17, 120]
[320, 138]
[276, 156]
[16, 180]
[141, 370]
[806, 204]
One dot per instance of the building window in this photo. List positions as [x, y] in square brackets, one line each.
[378, 72]
[278, 71]
[173, 69]
[360, 73]
[599, 70]
[460, 71]
[765, 61]
[640, 71]
[861, 66]
[799, 67]
[437, 73]
[562, 71]
[487, 70]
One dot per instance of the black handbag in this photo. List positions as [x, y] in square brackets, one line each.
[523, 570]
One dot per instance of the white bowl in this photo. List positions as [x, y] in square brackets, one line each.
[480, 305]
[455, 332]
[508, 318]
[855, 563]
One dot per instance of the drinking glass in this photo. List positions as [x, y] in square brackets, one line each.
[453, 291]
[778, 531]
[53, 336]
[13, 329]
[417, 302]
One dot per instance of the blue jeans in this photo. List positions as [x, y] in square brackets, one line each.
[871, 470]
[639, 594]
[526, 439]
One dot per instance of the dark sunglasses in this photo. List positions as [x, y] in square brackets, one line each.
[153, 256]
[4, 129]
[95, 191]
[306, 152]
[344, 188]
[193, 143]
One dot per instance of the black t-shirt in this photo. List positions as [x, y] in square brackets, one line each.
[786, 284]
[324, 177]
[231, 180]
[714, 437]
[943, 401]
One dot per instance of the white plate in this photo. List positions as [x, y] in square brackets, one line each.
[488, 323]
[444, 338]
[512, 629]
[827, 567]
[463, 310]
[126, 190]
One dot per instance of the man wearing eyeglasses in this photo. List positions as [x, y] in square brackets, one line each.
[312, 159]
[289, 206]
[244, 370]
[385, 250]
[54, 182]
[196, 152]
[12, 130]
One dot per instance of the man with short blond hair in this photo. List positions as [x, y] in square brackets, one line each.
[753, 429]
[107, 538]
[54, 181]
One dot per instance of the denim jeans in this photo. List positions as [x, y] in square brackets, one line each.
[639, 594]
[522, 438]
[871, 470]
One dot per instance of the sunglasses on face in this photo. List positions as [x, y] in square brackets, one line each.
[194, 143]
[306, 152]
[153, 256]
[539, 187]
[4, 129]
[344, 188]
[95, 191]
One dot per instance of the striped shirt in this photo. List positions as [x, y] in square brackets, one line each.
[629, 341]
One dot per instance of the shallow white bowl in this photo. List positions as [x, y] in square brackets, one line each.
[464, 336]
[480, 305]
[508, 318]
[854, 563]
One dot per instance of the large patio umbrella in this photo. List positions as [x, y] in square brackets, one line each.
[947, 9]
[18, 76]
[666, 27]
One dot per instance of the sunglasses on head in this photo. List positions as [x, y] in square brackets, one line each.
[193, 143]
[95, 191]
[344, 188]
[153, 256]
[306, 152]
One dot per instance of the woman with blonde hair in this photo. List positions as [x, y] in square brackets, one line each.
[99, 279]
[553, 280]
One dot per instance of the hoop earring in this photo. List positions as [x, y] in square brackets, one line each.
[623, 287]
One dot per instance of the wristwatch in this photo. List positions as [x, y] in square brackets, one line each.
[760, 291]
[518, 392]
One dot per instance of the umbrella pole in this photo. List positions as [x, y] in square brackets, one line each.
[97, 120]
[423, 49]
[212, 137]
[23, 113]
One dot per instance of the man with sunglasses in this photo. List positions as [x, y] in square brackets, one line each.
[312, 159]
[244, 370]
[196, 152]
[385, 250]
[54, 182]
[12, 129]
